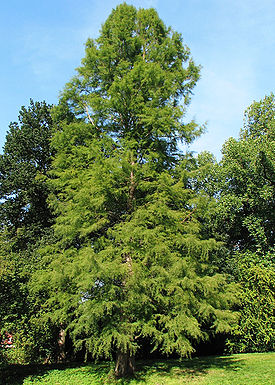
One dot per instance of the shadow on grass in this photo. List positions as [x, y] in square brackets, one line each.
[16, 374]
[190, 369]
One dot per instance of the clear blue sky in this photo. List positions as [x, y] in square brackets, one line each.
[42, 42]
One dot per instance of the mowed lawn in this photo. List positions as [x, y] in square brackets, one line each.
[239, 369]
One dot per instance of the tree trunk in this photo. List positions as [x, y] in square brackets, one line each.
[125, 364]
[61, 346]
[131, 189]
[125, 361]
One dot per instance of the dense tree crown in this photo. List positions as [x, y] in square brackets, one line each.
[246, 219]
[26, 158]
[247, 204]
[110, 233]
[25, 218]
[130, 261]
[132, 81]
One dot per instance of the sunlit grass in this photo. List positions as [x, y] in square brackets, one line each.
[239, 369]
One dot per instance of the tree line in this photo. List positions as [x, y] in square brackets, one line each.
[116, 238]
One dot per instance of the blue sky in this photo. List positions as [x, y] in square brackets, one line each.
[42, 42]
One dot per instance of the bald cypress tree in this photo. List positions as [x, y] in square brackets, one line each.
[130, 261]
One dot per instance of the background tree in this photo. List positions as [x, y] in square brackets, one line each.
[25, 220]
[26, 159]
[245, 218]
[246, 208]
[255, 331]
[131, 260]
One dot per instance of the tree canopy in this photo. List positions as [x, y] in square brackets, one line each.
[111, 233]
[245, 218]
[26, 159]
[25, 219]
[133, 80]
[247, 172]
[130, 261]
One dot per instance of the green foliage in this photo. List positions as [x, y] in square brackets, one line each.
[25, 160]
[246, 204]
[256, 330]
[20, 311]
[134, 81]
[130, 259]
[25, 220]
[148, 273]
[245, 219]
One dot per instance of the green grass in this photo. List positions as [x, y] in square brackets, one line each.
[239, 369]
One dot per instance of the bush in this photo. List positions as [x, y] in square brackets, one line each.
[255, 331]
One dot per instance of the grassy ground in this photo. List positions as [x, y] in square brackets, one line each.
[239, 369]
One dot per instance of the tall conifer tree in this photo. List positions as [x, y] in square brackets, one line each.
[130, 261]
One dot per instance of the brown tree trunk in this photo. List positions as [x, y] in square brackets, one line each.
[131, 189]
[125, 361]
[125, 364]
[61, 346]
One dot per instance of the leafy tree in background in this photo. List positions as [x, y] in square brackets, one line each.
[131, 260]
[255, 331]
[25, 219]
[20, 311]
[26, 159]
[246, 204]
[246, 219]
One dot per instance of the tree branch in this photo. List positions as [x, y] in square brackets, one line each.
[189, 215]
[89, 117]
